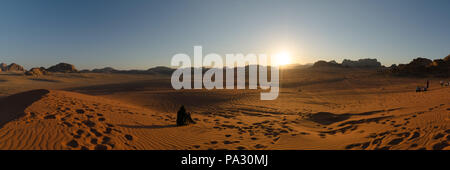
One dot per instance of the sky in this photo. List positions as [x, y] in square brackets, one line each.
[139, 34]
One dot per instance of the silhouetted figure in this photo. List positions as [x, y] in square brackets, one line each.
[183, 117]
[418, 89]
[428, 84]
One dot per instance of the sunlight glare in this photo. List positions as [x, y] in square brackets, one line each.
[282, 58]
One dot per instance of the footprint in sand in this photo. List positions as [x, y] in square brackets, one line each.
[365, 145]
[351, 146]
[259, 146]
[108, 130]
[72, 143]
[94, 141]
[96, 133]
[395, 141]
[67, 124]
[128, 137]
[227, 142]
[440, 145]
[414, 136]
[88, 123]
[404, 135]
[100, 147]
[438, 136]
[50, 117]
[240, 148]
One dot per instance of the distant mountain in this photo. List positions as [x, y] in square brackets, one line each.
[105, 70]
[161, 70]
[361, 63]
[364, 63]
[13, 67]
[322, 63]
[423, 67]
[156, 70]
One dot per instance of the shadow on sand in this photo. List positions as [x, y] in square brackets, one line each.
[327, 118]
[147, 126]
[106, 89]
[13, 107]
[44, 80]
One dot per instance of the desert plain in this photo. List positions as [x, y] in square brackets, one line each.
[317, 109]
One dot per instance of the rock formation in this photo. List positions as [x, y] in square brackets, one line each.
[63, 68]
[424, 67]
[15, 67]
[36, 72]
[3, 67]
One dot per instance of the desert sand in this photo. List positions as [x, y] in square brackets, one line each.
[317, 109]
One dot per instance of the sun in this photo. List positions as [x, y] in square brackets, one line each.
[282, 58]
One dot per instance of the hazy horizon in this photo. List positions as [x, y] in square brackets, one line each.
[142, 34]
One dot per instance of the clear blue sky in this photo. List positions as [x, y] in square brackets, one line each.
[140, 34]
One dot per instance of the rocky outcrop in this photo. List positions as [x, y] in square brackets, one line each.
[447, 59]
[36, 72]
[15, 67]
[63, 68]
[3, 67]
[418, 66]
[183, 117]
[424, 67]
